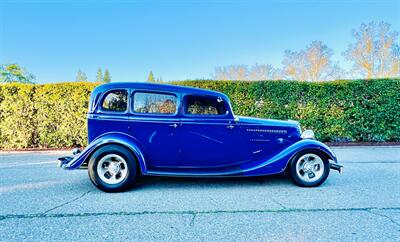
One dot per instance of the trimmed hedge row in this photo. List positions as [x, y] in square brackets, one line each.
[45, 116]
[53, 115]
[338, 111]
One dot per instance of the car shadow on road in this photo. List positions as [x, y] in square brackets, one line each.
[151, 182]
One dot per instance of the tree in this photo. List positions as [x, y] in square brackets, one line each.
[151, 78]
[15, 73]
[107, 77]
[244, 72]
[81, 76]
[263, 72]
[99, 76]
[231, 72]
[311, 64]
[375, 52]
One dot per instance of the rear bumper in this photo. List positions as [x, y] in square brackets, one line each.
[63, 161]
[337, 167]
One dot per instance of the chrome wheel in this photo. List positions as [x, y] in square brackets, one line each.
[112, 169]
[310, 167]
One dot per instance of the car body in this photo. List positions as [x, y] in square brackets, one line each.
[181, 131]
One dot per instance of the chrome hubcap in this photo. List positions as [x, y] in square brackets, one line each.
[310, 167]
[112, 169]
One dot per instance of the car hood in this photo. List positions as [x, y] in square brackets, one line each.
[270, 122]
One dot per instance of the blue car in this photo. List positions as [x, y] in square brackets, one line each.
[166, 130]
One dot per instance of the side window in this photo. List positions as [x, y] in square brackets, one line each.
[205, 105]
[116, 101]
[156, 103]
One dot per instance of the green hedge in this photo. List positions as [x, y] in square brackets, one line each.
[17, 121]
[61, 114]
[53, 115]
[339, 111]
[44, 116]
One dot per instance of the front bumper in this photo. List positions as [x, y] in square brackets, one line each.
[337, 167]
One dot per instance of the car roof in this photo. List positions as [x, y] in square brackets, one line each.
[158, 87]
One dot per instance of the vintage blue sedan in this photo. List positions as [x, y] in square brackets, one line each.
[167, 130]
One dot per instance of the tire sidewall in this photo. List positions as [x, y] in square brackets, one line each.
[118, 150]
[301, 182]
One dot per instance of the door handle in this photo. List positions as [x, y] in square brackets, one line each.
[230, 126]
[173, 125]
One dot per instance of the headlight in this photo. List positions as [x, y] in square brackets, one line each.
[308, 134]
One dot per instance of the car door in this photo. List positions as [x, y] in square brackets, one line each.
[154, 124]
[110, 115]
[210, 138]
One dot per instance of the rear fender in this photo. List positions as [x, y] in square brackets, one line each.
[105, 139]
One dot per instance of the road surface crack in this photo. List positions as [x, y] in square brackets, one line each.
[280, 204]
[385, 216]
[192, 220]
[66, 203]
[194, 213]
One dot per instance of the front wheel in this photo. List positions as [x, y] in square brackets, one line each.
[112, 168]
[309, 169]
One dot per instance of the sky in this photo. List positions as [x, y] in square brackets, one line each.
[176, 40]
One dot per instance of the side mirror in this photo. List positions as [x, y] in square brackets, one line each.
[236, 118]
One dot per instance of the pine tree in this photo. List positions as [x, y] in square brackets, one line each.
[81, 76]
[107, 77]
[99, 76]
[151, 77]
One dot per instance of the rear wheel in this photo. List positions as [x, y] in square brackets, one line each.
[112, 168]
[309, 169]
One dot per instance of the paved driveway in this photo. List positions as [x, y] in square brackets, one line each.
[41, 202]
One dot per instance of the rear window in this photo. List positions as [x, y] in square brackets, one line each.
[154, 103]
[205, 105]
[116, 101]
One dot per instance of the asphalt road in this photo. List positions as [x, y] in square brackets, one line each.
[39, 202]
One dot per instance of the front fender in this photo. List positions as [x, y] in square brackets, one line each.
[314, 144]
[279, 162]
[109, 138]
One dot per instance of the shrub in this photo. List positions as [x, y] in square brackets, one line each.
[346, 110]
[49, 115]
[54, 115]
[17, 121]
[61, 113]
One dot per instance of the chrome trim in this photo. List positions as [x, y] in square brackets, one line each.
[275, 131]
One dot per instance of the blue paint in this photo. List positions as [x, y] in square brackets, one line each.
[194, 145]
